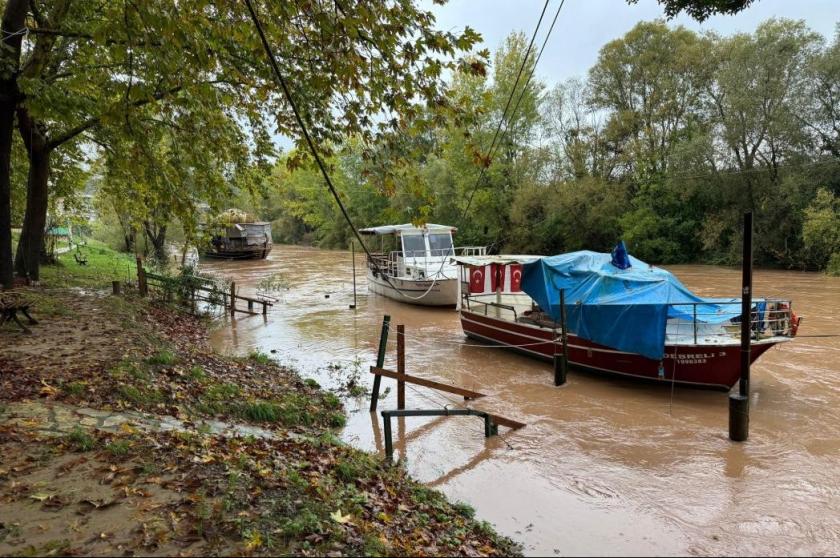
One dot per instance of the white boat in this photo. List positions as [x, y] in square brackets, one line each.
[413, 264]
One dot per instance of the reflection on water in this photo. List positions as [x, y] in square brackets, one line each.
[604, 466]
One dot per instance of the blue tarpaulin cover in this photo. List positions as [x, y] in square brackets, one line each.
[626, 309]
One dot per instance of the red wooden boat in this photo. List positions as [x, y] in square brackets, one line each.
[695, 353]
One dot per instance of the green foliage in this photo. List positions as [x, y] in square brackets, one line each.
[80, 440]
[197, 373]
[104, 265]
[702, 9]
[163, 357]
[222, 392]
[261, 411]
[337, 420]
[119, 448]
[74, 389]
[665, 144]
[259, 357]
[140, 395]
[821, 229]
[332, 401]
[833, 267]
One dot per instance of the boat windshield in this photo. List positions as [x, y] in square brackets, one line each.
[414, 245]
[440, 244]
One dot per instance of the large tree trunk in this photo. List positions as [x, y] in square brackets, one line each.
[128, 237]
[14, 17]
[39, 150]
[158, 237]
[28, 257]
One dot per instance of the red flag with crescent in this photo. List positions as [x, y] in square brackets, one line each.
[512, 278]
[483, 279]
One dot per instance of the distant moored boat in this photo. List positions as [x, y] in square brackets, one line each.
[241, 241]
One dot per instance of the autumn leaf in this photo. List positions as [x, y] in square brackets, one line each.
[339, 518]
[40, 496]
[253, 541]
[47, 390]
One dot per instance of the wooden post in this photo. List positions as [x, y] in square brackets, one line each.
[739, 404]
[142, 286]
[380, 361]
[353, 251]
[401, 366]
[115, 285]
[232, 298]
[251, 305]
[561, 361]
[265, 309]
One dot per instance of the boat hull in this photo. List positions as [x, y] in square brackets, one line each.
[709, 366]
[444, 292]
[250, 253]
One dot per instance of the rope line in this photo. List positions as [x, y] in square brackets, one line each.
[311, 144]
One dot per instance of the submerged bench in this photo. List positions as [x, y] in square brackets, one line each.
[10, 306]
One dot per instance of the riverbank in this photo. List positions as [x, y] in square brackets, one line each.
[123, 432]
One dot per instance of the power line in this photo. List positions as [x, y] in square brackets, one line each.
[533, 69]
[314, 151]
[507, 106]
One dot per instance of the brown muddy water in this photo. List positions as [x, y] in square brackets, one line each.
[605, 466]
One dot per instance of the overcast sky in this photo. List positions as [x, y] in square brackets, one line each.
[584, 26]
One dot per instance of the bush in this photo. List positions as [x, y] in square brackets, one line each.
[821, 230]
[833, 267]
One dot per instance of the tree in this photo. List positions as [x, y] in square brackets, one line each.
[702, 9]
[821, 228]
[575, 133]
[651, 82]
[823, 114]
[756, 118]
[12, 26]
[356, 68]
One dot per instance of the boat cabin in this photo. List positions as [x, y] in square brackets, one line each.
[416, 253]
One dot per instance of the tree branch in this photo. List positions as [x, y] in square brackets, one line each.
[93, 121]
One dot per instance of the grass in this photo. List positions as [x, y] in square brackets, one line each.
[80, 440]
[259, 357]
[104, 265]
[261, 411]
[140, 396]
[163, 357]
[222, 392]
[118, 448]
[74, 388]
[197, 373]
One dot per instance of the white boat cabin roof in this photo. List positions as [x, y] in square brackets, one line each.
[407, 228]
[502, 259]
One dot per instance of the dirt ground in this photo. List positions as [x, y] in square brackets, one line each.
[122, 433]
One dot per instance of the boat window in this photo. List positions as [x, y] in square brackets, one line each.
[441, 244]
[414, 245]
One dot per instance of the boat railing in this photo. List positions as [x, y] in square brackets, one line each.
[488, 308]
[470, 251]
[694, 322]
[690, 322]
[393, 263]
[384, 263]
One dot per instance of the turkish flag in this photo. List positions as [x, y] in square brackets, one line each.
[512, 278]
[483, 279]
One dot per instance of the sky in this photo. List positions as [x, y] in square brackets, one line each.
[584, 26]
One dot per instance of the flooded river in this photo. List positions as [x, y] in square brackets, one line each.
[604, 466]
